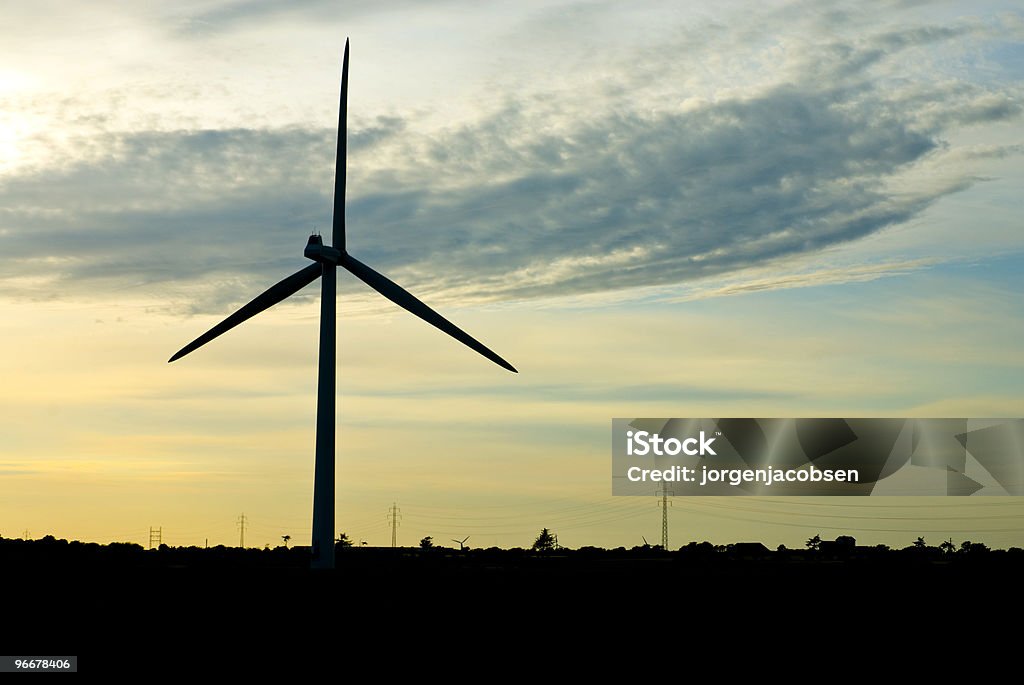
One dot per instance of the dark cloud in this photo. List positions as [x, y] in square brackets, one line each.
[382, 129]
[540, 198]
[169, 208]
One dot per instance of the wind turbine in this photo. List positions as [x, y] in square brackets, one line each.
[326, 259]
[462, 542]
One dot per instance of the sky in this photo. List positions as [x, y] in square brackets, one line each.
[649, 208]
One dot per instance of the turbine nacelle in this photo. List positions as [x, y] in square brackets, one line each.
[318, 252]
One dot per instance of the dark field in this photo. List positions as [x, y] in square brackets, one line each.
[120, 602]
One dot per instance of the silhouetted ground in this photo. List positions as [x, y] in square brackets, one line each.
[120, 599]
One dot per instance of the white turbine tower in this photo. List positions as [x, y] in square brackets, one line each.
[327, 258]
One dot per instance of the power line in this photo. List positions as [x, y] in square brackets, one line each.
[241, 527]
[664, 515]
[394, 515]
[771, 510]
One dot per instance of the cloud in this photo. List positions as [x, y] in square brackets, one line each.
[599, 393]
[225, 16]
[549, 193]
[803, 279]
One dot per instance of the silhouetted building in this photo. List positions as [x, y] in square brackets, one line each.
[749, 550]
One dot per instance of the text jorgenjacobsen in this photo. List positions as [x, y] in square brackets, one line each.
[686, 474]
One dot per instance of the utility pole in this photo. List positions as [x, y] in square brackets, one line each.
[156, 535]
[241, 527]
[394, 515]
[664, 515]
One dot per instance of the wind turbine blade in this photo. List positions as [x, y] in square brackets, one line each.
[269, 298]
[407, 301]
[339, 166]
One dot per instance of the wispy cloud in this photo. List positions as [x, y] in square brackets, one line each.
[546, 193]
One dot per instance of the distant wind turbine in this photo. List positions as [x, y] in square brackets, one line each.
[327, 258]
[462, 542]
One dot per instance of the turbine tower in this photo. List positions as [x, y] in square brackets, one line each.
[326, 259]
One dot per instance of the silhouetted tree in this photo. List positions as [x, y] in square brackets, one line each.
[427, 542]
[545, 542]
[947, 546]
[919, 542]
[698, 548]
[343, 540]
[814, 543]
[846, 541]
[967, 547]
[286, 538]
